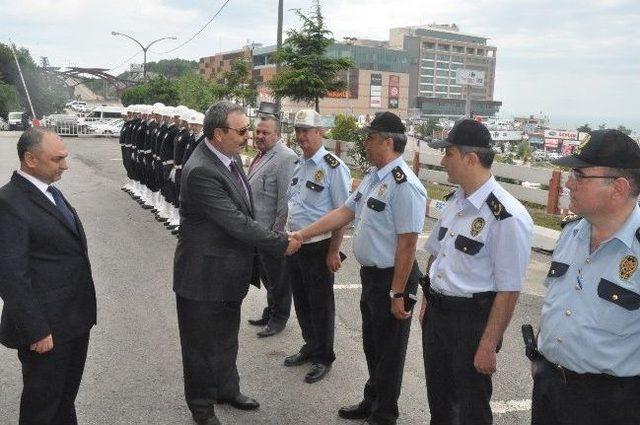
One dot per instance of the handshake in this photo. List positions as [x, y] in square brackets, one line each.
[295, 242]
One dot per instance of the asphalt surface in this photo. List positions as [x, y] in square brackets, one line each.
[134, 374]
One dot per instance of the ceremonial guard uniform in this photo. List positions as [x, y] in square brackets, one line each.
[479, 247]
[589, 369]
[320, 183]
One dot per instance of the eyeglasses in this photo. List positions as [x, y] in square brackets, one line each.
[578, 175]
[240, 131]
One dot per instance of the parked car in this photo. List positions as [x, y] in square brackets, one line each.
[15, 121]
[65, 125]
[3, 125]
[109, 128]
[102, 113]
[77, 105]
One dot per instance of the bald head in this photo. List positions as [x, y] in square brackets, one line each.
[42, 154]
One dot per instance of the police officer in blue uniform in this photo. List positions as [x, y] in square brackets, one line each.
[388, 210]
[479, 255]
[319, 185]
[589, 370]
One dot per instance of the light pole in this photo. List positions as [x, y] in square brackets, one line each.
[144, 49]
[279, 46]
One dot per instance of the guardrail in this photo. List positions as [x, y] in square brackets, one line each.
[68, 129]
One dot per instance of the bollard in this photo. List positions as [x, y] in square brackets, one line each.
[554, 192]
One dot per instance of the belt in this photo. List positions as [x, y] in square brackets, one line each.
[169, 162]
[447, 302]
[374, 269]
[569, 375]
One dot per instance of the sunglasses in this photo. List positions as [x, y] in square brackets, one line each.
[241, 131]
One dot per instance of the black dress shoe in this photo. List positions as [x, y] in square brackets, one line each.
[357, 411]
[259, 322]
[317, 372]
[206, 420]
[241, 402]
[297, 359]
[270, 330]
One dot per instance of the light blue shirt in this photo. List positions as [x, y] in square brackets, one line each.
[389, 202]
[316, 188]
[591, 318]
[481, 243]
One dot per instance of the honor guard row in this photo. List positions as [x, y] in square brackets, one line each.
[156, 140]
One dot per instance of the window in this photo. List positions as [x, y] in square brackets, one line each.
[428, 63]
[426, 87]
[430, 55]
[457, 59]
[428, 45]
[444, 46]
[445, 58]
[458, 49]
[442, 80]
[442, 73]
[426, 71]
[471, 50]
[426, 80]
[480, 52]
[442, 89]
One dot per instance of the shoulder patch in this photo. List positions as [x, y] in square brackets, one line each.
[496, 207]
[398, 175]
[331, 160]
[449, 195]
[574, 217]
[638, 234]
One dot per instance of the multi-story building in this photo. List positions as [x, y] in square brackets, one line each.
[437, 52]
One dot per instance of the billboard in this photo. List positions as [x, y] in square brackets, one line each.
[394, 91]
[551, 143]
[506, 135]
[470, 77]
[350, 79]
[561, 134]
[376, 91]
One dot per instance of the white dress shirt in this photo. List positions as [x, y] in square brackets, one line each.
[42, 186]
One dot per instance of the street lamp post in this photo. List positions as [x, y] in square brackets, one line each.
[144, 49]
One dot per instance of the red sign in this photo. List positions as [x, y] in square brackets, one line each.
[394, 91]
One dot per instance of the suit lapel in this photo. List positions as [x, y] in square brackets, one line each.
[268, 157]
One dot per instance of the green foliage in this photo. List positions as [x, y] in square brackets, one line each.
[158, 89]
[524, 151]
[169, 68]
[346, 129]
[308, 75]
[426, 129]
[198, 93]
[238, 83]
[48, 92]
[8, 100]
[624, 129]
[585, 128]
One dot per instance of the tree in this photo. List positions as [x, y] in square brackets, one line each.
[426, 129]
[238, 83]
[8, 99]
[346, 129]
[624, 129]
[308, 74]
[198, 93]
[155, 90]
[584, 128]
[169, 68]
[602, 126]
[524, 151]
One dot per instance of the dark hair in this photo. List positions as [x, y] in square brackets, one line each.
[216, 116]
[276, 121]
[30, 140]
[633, 177]
[399, 140]
[485, 155]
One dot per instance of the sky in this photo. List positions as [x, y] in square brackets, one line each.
[576, 61]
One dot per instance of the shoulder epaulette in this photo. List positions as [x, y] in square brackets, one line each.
[449, 195]
[570, 219]
[496, 207]
[638, 234]
[398, 175]
[331, 160]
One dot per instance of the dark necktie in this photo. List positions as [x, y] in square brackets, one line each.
[237, 178]
[255, 161]
[62, 207]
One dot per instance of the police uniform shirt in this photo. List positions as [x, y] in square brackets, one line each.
[590, 318]
[390, 201]
[319, 184]
[481, 243]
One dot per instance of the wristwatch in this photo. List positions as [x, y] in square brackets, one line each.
[393, 294]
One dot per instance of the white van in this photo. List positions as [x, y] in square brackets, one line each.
[15, 121]
[104, 113]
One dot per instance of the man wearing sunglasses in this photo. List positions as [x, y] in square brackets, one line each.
[215, 260]
[588, 371]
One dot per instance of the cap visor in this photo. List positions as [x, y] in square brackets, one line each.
[571, 161]
[439, 144]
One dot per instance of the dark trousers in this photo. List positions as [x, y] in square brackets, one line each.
[312, 288]
[562, 397]
[276, 281]
[51, 382]
[209, 340]
[457, 393]
[384, 339]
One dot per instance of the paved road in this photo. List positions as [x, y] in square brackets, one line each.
[133, 373]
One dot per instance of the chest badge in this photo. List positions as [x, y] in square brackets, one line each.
[477, 226]
[319, 174]
[628, 266]
[382, 190]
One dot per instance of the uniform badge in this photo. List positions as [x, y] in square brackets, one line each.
[628, 266]
[382, 190]
[319, 174]
[477, 226]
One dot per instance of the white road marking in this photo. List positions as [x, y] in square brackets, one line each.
[511, 406]
[348, 286]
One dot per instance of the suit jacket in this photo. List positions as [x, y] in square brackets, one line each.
[269, 181]
[45, 274]
[216, 259]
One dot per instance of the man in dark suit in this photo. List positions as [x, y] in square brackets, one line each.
[215, 261]
[45, 282]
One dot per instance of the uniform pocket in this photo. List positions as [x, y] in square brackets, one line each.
[618, 309]
[468, 245]
[557, 269]
[376, 204]
[618, 295]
